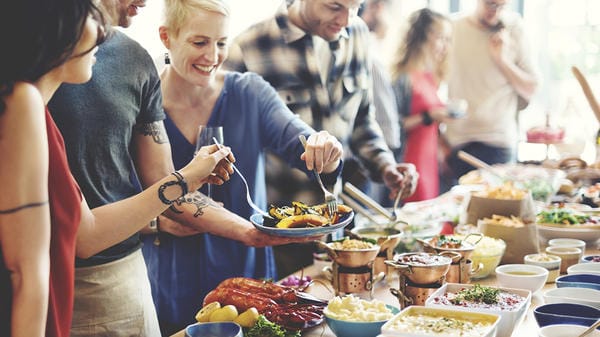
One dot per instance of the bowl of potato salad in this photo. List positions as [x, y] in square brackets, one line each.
[351, 316]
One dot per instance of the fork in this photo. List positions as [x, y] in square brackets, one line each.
[248, 198]
[330, 199]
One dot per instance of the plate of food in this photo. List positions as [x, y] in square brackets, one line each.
[287, 307]
[300, 220]
[562, 222]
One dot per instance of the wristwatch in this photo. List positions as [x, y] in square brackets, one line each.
[426, 118]
[153, 225]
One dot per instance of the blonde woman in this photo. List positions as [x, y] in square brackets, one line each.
[420, 67]
[197, 92]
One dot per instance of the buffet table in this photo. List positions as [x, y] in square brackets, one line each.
[323, 289]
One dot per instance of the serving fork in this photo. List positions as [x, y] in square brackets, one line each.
[248, 197]
[330, 199]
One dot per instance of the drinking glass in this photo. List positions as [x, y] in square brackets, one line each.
[205, 137]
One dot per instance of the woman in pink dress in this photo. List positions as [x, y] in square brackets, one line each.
[417, 73]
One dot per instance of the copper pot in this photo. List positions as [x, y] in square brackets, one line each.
[465, 250]
[462, 271]
[387, 239]
[350, 258]
[431, 270]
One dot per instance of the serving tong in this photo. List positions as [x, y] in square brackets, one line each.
[351, 194]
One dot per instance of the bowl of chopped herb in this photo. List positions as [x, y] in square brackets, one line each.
[510, 304]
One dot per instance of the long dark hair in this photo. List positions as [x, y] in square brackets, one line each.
[39, 35]
[421, 24]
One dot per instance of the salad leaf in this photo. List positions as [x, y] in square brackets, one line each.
[478, 293]
[266, 328]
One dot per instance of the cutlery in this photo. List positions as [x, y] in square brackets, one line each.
[357, 194]
[590, 329]
[480, 164]
[330, 199]
[248, 198]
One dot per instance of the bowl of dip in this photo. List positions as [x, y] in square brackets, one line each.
[550, 262]
[522, 276]
[510, 304]
[418, 321]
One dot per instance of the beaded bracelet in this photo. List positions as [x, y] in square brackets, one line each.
[182, 184]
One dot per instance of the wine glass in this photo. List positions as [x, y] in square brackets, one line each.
[205, 137]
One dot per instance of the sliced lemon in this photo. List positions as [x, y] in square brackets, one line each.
[248, 318]
[203, 314]
[225, 314]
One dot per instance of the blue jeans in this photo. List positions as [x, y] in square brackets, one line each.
[487, 153]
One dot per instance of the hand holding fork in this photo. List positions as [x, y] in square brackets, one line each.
[330, 199]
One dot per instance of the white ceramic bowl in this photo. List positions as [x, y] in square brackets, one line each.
[394, 328]
[583, 296]
[565, 330]
[567, 242]
[508, 319]
[550, 262]
[568, 255]
[584, 268]
[521, 276]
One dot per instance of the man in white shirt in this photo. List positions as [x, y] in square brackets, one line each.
[490, 67]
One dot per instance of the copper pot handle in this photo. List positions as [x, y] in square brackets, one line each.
[480, 235]
[454, 256]
[401, 297]
[404, 268]
[328, 249]
[477, 268]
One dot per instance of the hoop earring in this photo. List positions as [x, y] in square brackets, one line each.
[167, 59]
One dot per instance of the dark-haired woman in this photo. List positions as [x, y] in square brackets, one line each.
[420, 67]
[43, 218]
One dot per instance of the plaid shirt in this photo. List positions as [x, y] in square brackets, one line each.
[285, 56]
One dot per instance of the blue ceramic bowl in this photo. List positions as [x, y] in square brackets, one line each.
[579, 281]
[214, 329]
[565, 313]
[357, 329]
[590, 258]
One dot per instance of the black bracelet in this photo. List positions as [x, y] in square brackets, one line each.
[426, 118]
[182, 184]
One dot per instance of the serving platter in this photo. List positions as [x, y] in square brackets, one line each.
[258, 222]
[551, 231]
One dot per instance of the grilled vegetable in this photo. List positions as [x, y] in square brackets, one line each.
[302, 215]
[305, 220]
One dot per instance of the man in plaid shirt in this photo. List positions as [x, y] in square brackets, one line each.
[315, 54]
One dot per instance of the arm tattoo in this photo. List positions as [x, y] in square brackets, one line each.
[154, 129]
[18, 208]
[197, 199]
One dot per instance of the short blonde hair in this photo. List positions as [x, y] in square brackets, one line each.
[176, 12]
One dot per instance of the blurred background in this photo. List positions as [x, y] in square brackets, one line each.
[562, 33]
